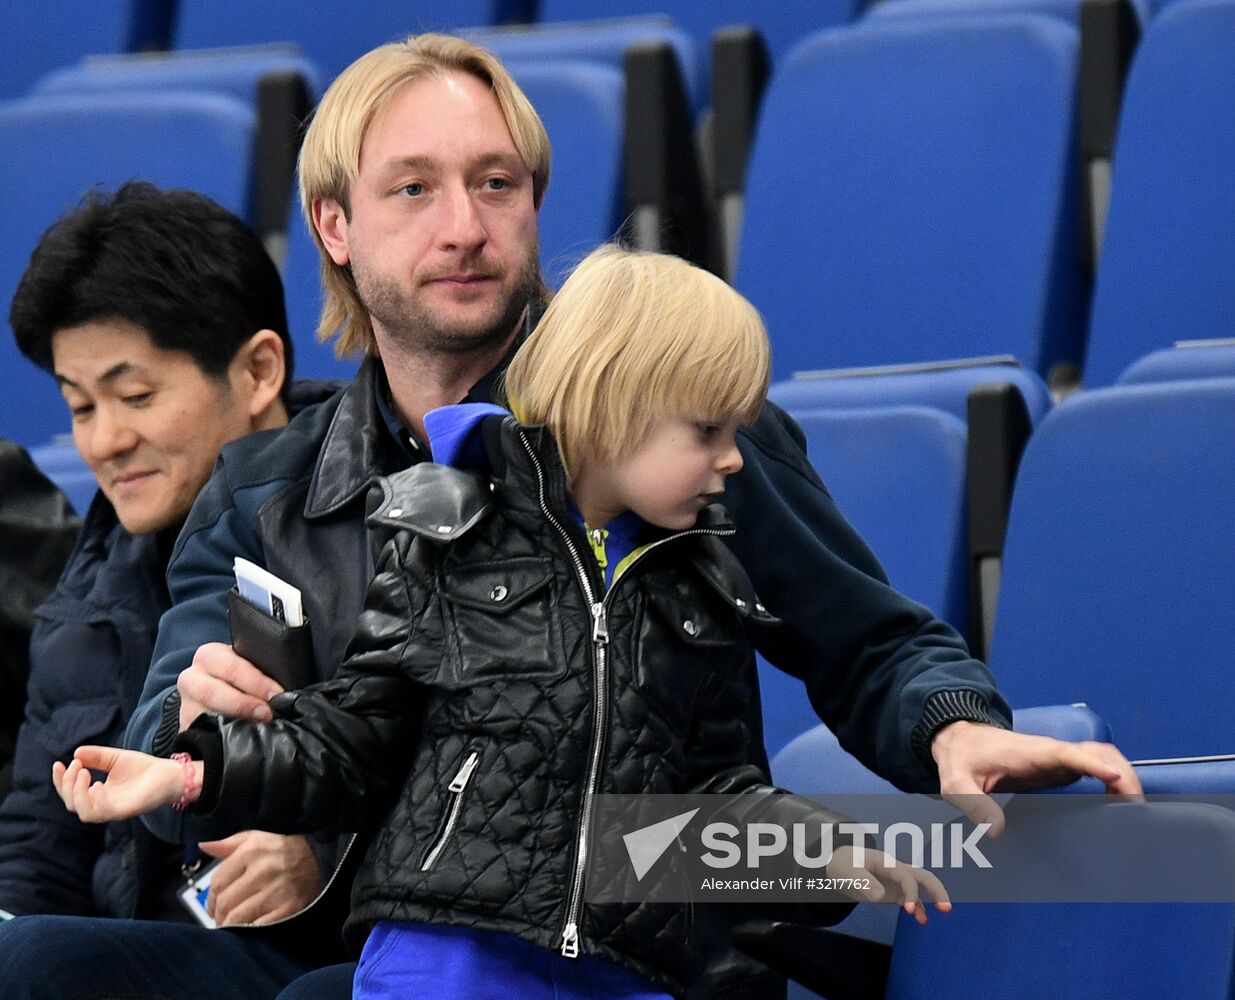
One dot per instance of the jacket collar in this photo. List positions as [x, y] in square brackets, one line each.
[357, 446]
[355, 449]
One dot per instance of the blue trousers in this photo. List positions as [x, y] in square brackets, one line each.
[91, 958]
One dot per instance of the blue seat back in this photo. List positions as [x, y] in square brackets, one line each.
[39, 36]
[782, 24]
[1118, 569]
[1068, 10]
[582, 106]
[55, 149]
[1205, 359]
[911, 196]
[332, 35]
[945, 389]
[1169, 252]
[603, 42]
[235, 73]
[1082, 950]
[60, 462]
[898, 474]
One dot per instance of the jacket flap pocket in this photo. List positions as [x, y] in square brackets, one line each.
[691, 621]
[77, 722]
[496, 588]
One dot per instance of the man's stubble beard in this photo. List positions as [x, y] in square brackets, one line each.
[417, 330]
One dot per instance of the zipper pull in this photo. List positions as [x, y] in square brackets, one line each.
[570, 941]
[600, 623]
[465, 772]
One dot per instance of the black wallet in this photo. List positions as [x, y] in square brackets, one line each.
[277, 649]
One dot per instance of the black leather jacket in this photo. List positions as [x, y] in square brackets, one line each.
[882, 671]
[490, 656]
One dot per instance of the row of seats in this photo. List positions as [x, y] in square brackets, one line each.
[953, 240]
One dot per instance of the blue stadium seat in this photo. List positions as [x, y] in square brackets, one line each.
[1188, 359]
[302, 290]
[1086, 951]
[782, 24]
[61, 463]
[1169, 250]
[912, 196]
[1069, 10]
[39, 37]
[815, 764]
[898, 474]
[582, 106]
[234, 72]
[1118, 568]
[596, 41]
[54, 149]
[332, 35]
[944, 387]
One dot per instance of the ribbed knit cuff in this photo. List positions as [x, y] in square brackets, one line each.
[942, 708]
[204, 744]
[169, 726]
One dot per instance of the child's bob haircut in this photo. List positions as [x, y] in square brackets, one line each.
[632, 338]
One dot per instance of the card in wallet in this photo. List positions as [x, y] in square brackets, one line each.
[279, 650]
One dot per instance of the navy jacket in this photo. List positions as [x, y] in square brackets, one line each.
[90, 650]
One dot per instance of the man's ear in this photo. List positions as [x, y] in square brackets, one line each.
[260, 368]
[331, 223]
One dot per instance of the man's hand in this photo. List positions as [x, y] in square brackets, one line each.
[975, 759]
[220, 681]
[262, 877]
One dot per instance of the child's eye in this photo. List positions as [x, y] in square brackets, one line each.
[138, 398]
[707, 430]
[82, 411]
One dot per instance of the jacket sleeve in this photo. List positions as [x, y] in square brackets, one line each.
[881, 670]
[718, 753]
[220, 526]
[336, 752]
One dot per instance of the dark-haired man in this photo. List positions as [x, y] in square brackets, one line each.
[162, 319]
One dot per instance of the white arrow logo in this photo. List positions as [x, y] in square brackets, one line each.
[646, 845]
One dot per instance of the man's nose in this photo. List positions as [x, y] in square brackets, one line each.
[110, 436]
[462, 227]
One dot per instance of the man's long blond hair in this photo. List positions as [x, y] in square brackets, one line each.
[330, 156]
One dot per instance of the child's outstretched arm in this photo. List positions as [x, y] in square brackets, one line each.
[877, 878]
[136, 783]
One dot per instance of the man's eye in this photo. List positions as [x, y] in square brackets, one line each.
[138, 398]
[81, 412]
[413, 190]
[497, 183]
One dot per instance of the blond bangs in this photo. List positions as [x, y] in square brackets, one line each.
[631, 338]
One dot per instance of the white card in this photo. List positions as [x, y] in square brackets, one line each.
[264, 590]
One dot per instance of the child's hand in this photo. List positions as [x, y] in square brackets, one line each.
[136, 783]
[879, 880]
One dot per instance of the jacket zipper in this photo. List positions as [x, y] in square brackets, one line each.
[456, 789]
[600, 642]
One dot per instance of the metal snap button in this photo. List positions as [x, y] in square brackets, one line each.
[396, 511]
[443, 529]
[760, 608]
[739, 602]
[498, 593]
[689, 627]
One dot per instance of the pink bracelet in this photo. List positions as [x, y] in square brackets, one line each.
[192, 784]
